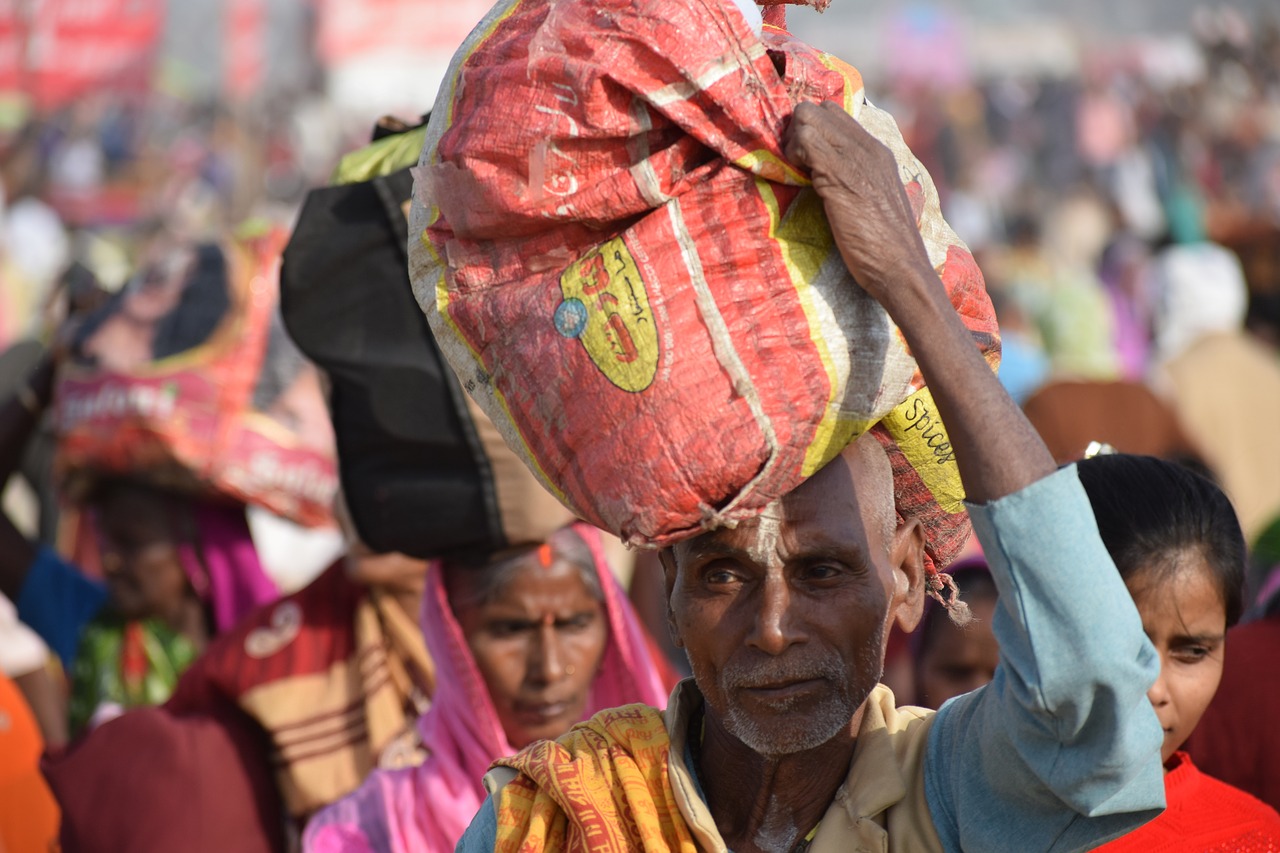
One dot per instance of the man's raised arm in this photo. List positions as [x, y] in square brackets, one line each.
[1061, 752]
[997, 450]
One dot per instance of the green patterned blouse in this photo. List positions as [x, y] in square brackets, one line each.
[124, 665]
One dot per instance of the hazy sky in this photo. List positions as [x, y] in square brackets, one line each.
[850, 29]
[1102, 16]
[1004, 33]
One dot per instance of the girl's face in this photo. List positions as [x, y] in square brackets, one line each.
[1184, 616]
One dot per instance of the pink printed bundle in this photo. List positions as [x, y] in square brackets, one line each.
[186, 379]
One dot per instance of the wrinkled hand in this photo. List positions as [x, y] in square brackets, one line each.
[857, 178]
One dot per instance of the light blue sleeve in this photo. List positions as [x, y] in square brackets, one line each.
[57, 601]
[482, 834]
[1060, 752]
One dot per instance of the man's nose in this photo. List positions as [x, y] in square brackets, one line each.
[776, 626]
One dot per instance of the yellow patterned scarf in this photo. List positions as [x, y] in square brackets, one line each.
[602, 787]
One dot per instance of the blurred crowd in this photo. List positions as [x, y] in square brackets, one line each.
[83, 184]
[1127, 221]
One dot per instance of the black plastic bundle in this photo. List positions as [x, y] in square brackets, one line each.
[416, 474]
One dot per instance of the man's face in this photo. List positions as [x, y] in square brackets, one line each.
[784, 618]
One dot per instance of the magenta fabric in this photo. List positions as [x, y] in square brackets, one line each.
[226, 572]
[427, 808]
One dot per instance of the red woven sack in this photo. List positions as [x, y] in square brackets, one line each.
[638, 288]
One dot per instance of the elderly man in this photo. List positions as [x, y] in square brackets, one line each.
[783, 741]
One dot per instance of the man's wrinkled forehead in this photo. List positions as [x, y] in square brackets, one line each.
[858, 483]
[852, 494]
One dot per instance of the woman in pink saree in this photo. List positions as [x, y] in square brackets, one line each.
[526, 644]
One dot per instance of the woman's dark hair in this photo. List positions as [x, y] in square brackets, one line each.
[478, 579]
[1150, 512]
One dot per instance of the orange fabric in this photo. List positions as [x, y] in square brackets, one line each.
[29, 815]
[602, 787]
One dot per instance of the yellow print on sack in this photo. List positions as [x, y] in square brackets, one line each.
[922, 438]
[606, 308]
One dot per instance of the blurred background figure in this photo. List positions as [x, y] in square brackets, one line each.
[1214, 371]
[1069, 414]
[175, 571]
[529, 642]
[34, 245]
[160, 411]
[950, 660]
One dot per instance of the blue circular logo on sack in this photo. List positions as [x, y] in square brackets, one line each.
[571, 318]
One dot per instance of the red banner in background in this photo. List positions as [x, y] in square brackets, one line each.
[246, 40]
[388, 56]
[12, 38]
[55, 51]
[350, 29]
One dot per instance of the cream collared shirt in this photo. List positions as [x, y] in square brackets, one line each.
[881, 806]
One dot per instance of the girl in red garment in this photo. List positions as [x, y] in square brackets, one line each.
[1176, 541]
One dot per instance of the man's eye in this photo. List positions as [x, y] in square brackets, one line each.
[720, 577]
[821, 571]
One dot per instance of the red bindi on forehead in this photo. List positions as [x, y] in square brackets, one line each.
[545, 556]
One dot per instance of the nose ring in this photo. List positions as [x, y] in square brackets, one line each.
[570, 669]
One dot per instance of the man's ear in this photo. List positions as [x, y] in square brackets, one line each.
[667, 557]
[906, 557]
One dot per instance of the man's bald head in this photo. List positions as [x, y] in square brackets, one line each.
[857, 484]
[873, 475]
